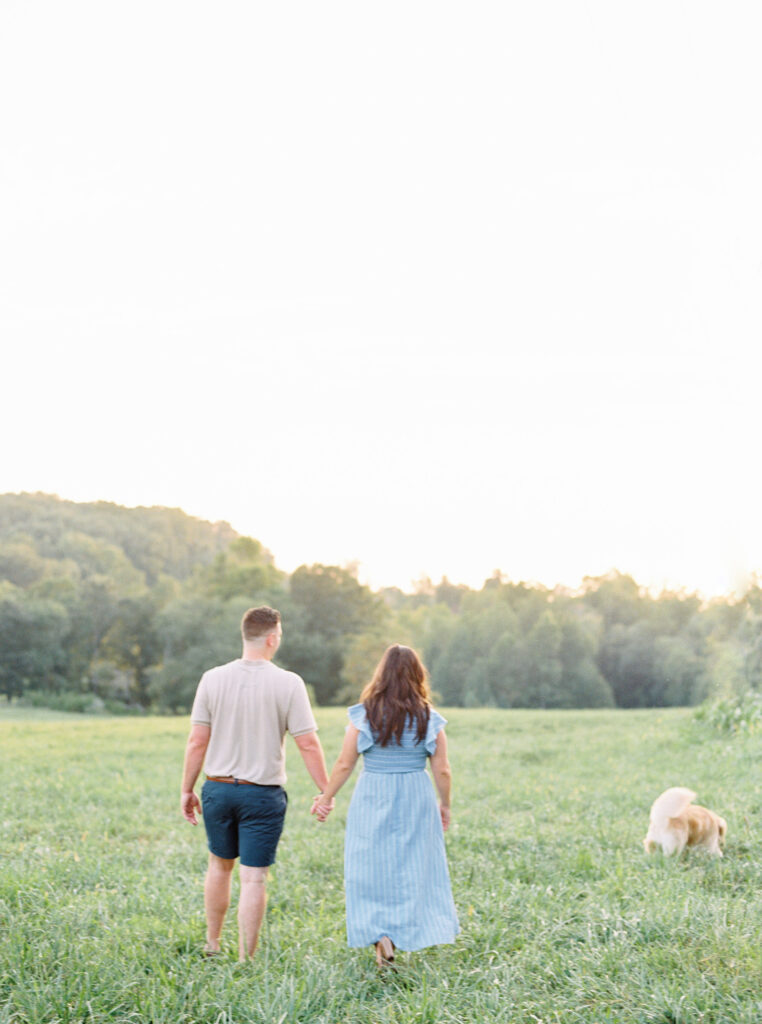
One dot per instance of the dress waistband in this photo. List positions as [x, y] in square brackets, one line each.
[385, 771]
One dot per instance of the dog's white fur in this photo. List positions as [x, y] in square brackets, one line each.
[676, 823]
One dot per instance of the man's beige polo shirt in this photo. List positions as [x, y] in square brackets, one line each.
[250, 705]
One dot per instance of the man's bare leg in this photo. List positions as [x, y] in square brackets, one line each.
[251, 909]
[219, 875]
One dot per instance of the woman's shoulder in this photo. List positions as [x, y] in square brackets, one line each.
[436, 724]
[438, 719]
[359, 719]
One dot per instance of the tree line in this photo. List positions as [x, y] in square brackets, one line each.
[104, 606]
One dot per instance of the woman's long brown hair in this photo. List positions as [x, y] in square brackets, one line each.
[397, 693]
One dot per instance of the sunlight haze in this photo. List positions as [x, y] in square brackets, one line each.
[436, 289]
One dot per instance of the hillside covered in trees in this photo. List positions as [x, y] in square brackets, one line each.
[104, 606]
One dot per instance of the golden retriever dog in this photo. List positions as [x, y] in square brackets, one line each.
[676, 823]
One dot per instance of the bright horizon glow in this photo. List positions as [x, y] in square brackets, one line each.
[433, 292]
[730, 581]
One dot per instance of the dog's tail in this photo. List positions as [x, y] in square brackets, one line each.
[670, 804]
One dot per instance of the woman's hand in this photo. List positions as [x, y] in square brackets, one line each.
[445, 814]
[345, 762]
[322, 807]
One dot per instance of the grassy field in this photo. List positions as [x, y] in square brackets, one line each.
[563, 916]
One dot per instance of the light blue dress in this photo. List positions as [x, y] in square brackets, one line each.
[395, 868]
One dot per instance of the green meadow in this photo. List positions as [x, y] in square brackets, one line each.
[564, 918]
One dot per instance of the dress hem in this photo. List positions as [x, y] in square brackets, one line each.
[403, 948]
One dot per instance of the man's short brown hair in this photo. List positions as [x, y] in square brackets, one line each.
[258, 622]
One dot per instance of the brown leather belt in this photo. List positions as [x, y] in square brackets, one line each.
[229, 778]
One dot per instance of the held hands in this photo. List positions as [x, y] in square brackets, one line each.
[322, 807]
[189, 805]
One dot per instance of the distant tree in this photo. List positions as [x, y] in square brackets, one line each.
[318, 660]
[682, 671]
[526, 602]
[327, 608]
[95, 557]
[329, 600]
[92, 614]
[196, 633]
[245, 569]
[393, 597]
[19, 562]
[510, 669]
[462, 669]
[423, 593]
[625, 661]
[546, 672]
[477, 685]
[156, 541]
[732, 632]
[629, 659]
[362, 655]
[450, 594]
[616, 597]
[425, 627]
[582, 684]
[749, 636]
[136, 603]
[725, 668]
[451, 667]
[133, 645]
[32, 634]
[673, 613]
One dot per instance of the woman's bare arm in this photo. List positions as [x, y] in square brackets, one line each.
[440, 769]
[345, 762]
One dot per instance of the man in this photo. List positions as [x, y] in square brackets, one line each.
[240, 716]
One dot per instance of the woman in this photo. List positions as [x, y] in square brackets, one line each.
[395, 870]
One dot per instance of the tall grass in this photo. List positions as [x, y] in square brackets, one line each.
[564, 918]
[737, 714]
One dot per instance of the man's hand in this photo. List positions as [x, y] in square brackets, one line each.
[189, 806]
[195, 751]
[322, 807]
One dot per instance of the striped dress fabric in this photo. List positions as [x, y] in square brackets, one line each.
[395, 867]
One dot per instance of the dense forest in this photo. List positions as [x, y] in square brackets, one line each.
[107, 607]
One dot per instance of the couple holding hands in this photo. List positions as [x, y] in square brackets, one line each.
[397, 885]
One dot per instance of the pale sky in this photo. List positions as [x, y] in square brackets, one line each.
[436, 288]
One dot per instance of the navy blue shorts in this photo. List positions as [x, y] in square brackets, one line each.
[243, 821]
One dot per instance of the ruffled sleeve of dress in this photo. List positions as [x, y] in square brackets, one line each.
[436, 724]
[359, 720]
